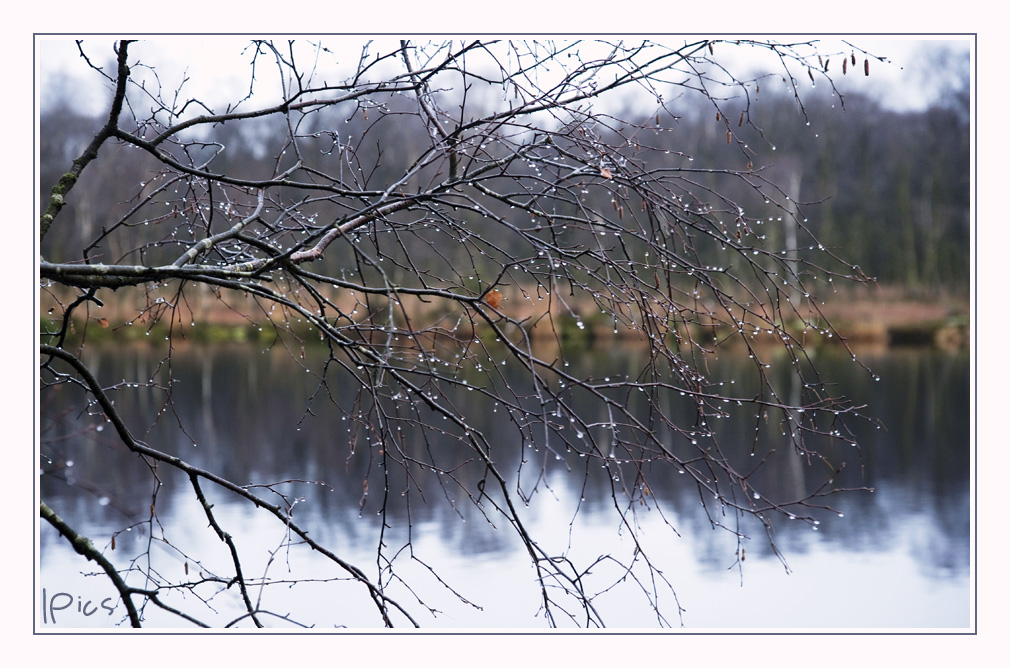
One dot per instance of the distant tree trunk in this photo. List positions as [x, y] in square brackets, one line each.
[790, 222]
[905, 215]
[931, 250]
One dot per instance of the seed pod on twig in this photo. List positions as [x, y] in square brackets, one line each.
[866, 67]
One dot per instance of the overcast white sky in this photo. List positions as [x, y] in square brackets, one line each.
[218, 70]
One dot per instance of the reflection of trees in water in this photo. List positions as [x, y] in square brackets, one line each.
[919, 463]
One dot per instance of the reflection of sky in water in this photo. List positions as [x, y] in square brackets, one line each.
[899, 557]
[830, 586]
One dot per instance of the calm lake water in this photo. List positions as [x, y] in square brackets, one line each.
[898, 558]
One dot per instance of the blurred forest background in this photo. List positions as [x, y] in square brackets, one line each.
[888, 190]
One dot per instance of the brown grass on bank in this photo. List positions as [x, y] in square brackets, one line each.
[863, 314]
[868, 313]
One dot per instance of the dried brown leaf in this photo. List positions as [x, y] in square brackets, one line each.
[492, 298]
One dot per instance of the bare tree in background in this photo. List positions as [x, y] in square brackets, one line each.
[442, 212]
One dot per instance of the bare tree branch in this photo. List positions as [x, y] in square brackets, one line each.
[468, 215]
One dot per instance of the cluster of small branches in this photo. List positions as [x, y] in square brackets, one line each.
[490, 203]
